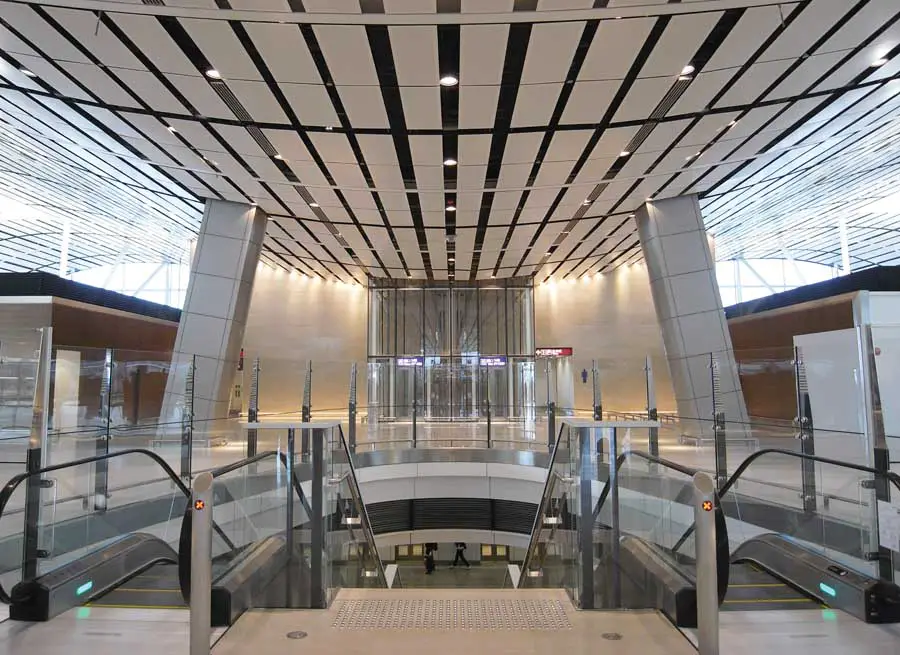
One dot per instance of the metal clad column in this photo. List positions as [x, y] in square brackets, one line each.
[689, 310]
[317, 598]
[586, 518]
[201, 563]
[707, 565]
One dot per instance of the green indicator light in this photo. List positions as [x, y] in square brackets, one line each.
[829, 615]
[83, 589]
[828, 590]
[83, 612]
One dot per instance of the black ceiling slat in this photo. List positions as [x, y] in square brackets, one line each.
[711, 44]
[383, 57]
[838, 25]
[315, 50]
[513, 66]
[74, 105]
[448, 43]
[634, 70]
[584, 45]
[220, 86]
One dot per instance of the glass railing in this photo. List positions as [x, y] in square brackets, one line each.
[313, 519]
[827, 505]
[598, 519]
[352, 551]
[58, 513]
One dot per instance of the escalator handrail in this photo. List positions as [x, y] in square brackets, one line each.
[10, 487]
[731, 481]
[549, 485]
[184, 540]
[357, 494]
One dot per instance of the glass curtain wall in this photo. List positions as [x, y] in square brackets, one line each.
[451, 352]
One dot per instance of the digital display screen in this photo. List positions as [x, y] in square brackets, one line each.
[410, 361]
[494, 361]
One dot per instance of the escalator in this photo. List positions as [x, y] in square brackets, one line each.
[773, 554]
[129, 547]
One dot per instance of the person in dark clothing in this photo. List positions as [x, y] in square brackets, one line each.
[460, 554]
[429, 558]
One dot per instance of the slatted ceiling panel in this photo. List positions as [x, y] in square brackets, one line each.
[535, 104]
[551, 47]
[589, 100]
[331, 6]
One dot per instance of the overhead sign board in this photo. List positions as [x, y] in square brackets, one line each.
[563, 351]
[410, 361]
[493, 361]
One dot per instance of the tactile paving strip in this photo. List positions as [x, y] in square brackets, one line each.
[424, 614]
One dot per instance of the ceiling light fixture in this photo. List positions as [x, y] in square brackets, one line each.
[279, 157]
[27, 72]
[313, 204]
[449, 80]
[449, 161]
[329, 128]
[171, 129]
[213, 74]
[624, 153]
[687, 70]
[451, 208]
[586, 202]
[881, 61]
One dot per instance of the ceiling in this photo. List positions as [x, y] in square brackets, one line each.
[329, 114]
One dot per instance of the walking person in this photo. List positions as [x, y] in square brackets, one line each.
[461, 555]
[429, 558]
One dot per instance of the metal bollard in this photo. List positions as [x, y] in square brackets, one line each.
[201, 563]
[707, 566]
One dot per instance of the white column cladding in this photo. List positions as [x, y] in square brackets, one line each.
[690, 314]
[217, 304]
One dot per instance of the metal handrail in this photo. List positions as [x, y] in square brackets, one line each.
[653, 459]
[364, 512]
[730, 482]
[10, 487]
[542, 506]
[184, 541]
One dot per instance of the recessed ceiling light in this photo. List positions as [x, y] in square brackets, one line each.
[493, 275]
[733, 123]
[624, 153]
[449, 80]
[586, 202]
[451, 259]
[328, 128]
[213, 74]
[27, 72]
[881, 61]
[451, 208]
[171, 129]
[313, 204]
[279, 157]
[687, 70]
[449, 161]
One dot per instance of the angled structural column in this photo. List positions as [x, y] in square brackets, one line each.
[691, 317]
[216, 307]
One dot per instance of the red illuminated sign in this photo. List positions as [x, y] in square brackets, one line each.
[565, 351]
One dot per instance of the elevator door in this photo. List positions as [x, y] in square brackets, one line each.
[452, 390]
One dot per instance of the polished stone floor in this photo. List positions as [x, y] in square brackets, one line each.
[438, 621]
[102, 631]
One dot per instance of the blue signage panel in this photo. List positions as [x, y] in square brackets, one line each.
[494, 361]
[410, 361]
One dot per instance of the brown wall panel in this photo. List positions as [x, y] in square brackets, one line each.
[142, 349]
[763, 345]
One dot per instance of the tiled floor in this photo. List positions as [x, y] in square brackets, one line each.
[622, 633]
[101, 631]
[804, 632]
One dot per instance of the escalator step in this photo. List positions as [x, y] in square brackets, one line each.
[751, 589]
[156, 588]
